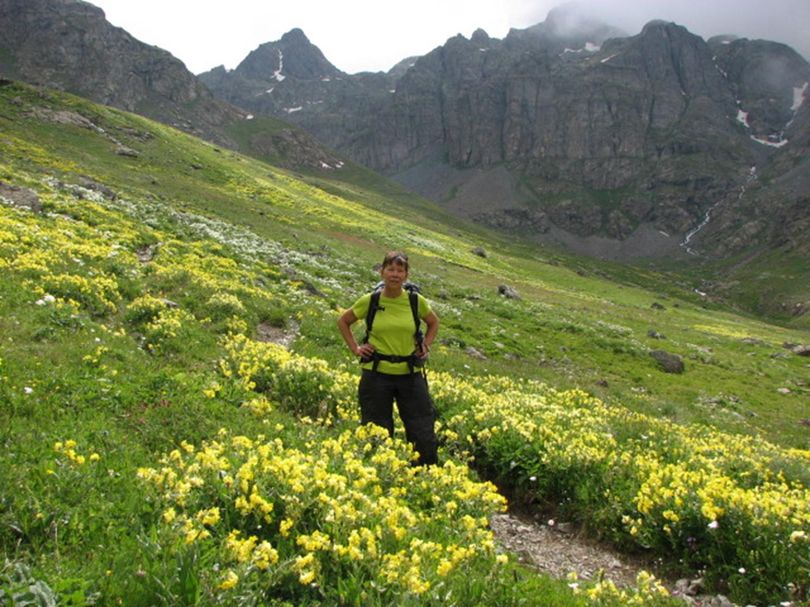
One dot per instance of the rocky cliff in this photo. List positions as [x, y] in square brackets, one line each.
[69, 45]
[614, 145]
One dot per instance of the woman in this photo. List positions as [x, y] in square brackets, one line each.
[392, 356]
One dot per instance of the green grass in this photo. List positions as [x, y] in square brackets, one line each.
[236, 243]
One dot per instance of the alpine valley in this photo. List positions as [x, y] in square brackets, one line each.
[178, 411]
[659, 147]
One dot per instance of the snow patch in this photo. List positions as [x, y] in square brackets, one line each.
[392, 91]
[606, 59]
[277, 74]
[290, 110]
[798, 96]
[326, 79]
[329, 167]
[773, 144]
[270, 90]
[589, 47]
[742, 118]
[249, 117]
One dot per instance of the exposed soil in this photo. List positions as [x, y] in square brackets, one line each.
[283, 336]
[557, 549]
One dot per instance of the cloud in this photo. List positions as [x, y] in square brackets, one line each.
[786, 21]
[360, 35]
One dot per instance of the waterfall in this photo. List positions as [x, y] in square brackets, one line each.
[752, 175]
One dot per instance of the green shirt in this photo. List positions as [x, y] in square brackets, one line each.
[392, 331]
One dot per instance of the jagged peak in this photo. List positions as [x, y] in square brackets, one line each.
[661, 24]
[669, 30]
[295, 35]
[480, 37]
[293, 55]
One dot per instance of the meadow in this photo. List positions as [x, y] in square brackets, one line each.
[160, 448]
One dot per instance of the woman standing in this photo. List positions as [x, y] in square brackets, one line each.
[392, 357]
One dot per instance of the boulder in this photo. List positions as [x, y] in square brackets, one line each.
[508, 292]
[20, 197]
[123, 150]
[102, 189]
[801, 350]
[472, 352]
[669, 363]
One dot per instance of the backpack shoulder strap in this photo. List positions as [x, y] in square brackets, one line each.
[373, 304]
[413, 298]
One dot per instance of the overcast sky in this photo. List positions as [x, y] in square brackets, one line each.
[373, 35]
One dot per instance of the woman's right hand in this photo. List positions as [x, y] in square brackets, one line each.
[364, 350]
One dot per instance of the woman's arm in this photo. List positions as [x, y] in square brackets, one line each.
[344, 323]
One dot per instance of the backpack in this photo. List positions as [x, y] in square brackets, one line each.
[373, 305]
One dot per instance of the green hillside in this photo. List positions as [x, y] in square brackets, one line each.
[162, 447]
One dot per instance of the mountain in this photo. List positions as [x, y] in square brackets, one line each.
[292, 80]
[567, 132]
[69, 45]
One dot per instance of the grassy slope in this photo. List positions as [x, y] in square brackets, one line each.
[572, 328]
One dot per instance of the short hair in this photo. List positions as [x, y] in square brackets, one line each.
[397, 257]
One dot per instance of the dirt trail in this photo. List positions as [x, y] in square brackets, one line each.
[557, 550]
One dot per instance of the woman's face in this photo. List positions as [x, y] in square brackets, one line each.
[394, 274]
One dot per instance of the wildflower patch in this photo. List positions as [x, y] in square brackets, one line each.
[350, 514]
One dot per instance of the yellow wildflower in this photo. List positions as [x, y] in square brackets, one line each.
[230, 579]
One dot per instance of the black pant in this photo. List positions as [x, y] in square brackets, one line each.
[377, 392]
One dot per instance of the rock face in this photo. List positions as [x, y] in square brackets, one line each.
[567, 131]
[69, 45]
[770, 85]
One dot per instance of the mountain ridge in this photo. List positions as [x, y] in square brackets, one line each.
[666, 126]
